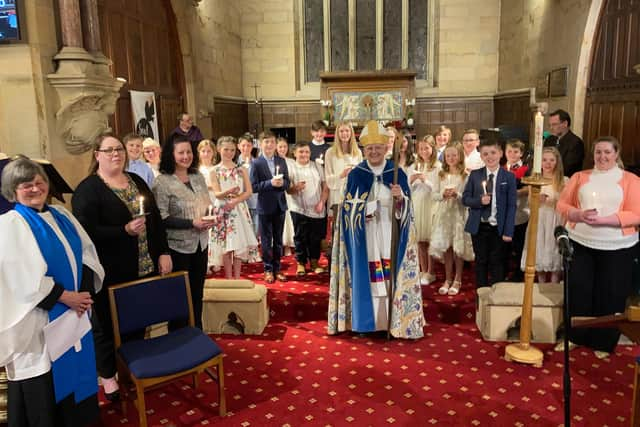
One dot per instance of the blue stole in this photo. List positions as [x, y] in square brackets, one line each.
[74, 372]
[359, 184]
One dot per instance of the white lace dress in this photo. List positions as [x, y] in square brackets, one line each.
[423, 203]
[548, 257]
[449, 219]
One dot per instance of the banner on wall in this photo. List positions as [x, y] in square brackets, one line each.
[145, 119]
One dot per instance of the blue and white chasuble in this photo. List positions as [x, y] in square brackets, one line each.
[359, 286]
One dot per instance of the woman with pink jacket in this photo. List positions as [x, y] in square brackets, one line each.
[602, 208]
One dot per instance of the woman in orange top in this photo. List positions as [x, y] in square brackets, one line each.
[602, 207]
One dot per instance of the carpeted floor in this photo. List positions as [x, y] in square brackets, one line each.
[294, 374]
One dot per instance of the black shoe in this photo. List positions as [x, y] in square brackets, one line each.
[113, 397]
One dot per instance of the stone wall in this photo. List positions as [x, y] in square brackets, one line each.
[537, 37]
[26, 100]
[467, 34]
[211, 50]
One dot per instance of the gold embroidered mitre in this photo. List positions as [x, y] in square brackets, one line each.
[373, 133]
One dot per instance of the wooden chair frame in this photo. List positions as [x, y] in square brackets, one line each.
[143, 384]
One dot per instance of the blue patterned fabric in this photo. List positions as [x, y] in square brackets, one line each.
[168, 354]
[74, 372]
[359, 184]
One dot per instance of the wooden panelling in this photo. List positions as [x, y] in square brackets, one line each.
[617, 115]
[512, 110]
[285, 114]
[140, 38]
[230, 117]
[613, 96]
[456, 113]
[617, 47]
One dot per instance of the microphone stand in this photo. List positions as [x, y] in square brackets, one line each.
[567, 257]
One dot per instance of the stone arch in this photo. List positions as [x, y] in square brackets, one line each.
[584, 65]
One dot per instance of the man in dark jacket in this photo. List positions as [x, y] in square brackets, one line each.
[569, 145]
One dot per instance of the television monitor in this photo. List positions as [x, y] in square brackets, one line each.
[9, 21]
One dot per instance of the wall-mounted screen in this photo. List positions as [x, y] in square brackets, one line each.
[9, 22]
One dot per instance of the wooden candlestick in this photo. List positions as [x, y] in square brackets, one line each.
[523, 352]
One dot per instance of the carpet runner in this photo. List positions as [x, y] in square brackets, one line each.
[294, 374]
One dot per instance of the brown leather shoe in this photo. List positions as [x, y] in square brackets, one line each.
[268, 277]
[281, 277]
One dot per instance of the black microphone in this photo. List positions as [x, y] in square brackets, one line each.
[562, 239]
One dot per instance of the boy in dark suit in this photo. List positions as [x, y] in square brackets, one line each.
[269, 180]
[490, 194]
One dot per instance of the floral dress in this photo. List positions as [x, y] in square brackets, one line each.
[233, 230]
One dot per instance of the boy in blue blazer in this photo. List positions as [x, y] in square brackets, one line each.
[490, 195]
[269, 180]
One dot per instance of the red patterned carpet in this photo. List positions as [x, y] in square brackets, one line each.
[294, 374]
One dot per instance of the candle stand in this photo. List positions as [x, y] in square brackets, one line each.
[524, 352]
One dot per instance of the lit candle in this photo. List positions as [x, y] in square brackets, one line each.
[277, 170]
[537, 143]
[210, 210]
[484, 187]
[141, 205]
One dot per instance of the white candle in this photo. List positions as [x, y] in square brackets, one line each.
[537, 143]
[595, 202]
[277, 170]
[210, 210]
[141, 205]
[484, 187]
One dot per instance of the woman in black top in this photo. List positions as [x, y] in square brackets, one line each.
[130, 245]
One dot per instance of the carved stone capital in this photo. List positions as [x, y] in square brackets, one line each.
[543, 107]
[87, 95]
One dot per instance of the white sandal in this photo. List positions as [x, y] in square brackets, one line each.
[455, 288]
[444, 289]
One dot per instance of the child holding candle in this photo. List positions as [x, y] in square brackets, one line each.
[422, 176]
[492, 212]
[449, 242]
[272, 204]
[548, 259]
[232, 238]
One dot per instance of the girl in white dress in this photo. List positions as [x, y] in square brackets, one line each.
[339, 160]
[282, 150]
[406, 151]
[449, 241]
[232, 238]
[422, 176]
[207, 159]
[548, 258]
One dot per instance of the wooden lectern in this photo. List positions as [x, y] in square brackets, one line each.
[629, 324]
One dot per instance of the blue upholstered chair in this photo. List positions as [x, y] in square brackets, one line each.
[181, 352]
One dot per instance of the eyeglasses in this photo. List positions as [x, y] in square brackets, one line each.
[111, 151]
[28, 186]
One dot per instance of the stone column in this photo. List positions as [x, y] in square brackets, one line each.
[70, 23]
[91, 35]
[72, 53]
[90, 26]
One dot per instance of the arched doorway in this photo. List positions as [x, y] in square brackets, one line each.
[140, 38]
[612, 105]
